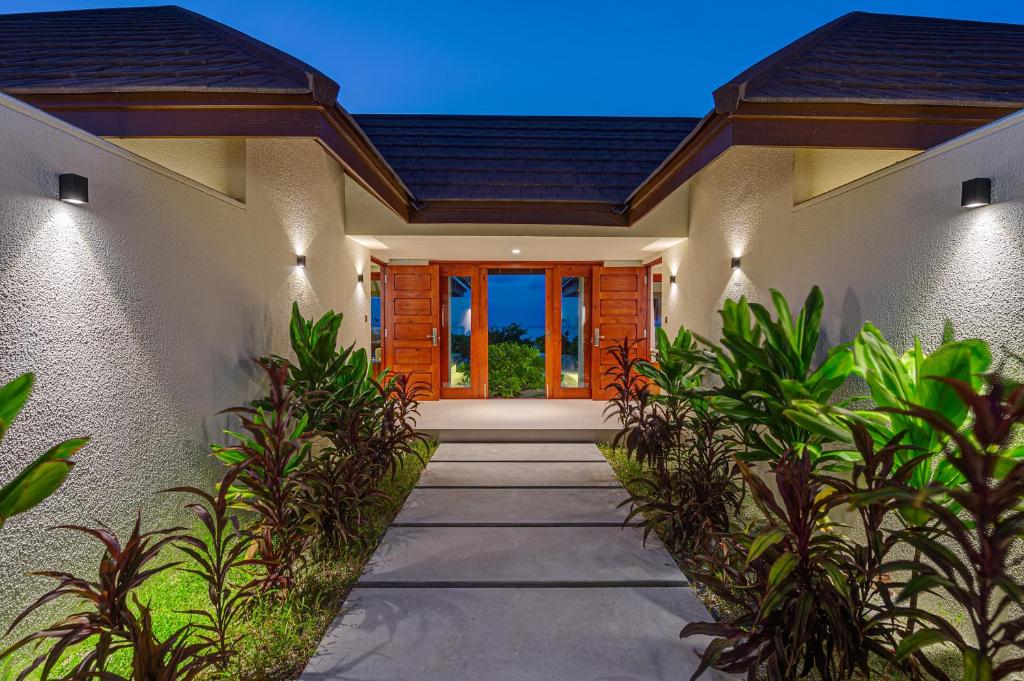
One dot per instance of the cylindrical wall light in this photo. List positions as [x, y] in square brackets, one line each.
[735, 263]
[672, 279]
[73, 188]
[976, 192]
[300, 261]
[359, 277]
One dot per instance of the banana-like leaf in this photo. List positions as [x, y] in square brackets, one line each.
[39, 480]
[13, 396]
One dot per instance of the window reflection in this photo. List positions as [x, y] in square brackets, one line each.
[574, 317]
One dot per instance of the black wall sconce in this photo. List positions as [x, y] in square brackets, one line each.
[73, 188]
[735, 263]
[359, 277]
[672, 279]
[300, 261]
[976, 192]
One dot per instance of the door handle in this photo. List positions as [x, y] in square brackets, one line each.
[597, 337]
[433, 336]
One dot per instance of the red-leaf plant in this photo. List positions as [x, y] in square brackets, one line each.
[971, 548]
[122, 569]
[218, 556]
[789, 587]
[267, 461]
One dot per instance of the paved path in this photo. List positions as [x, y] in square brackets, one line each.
[509, 562]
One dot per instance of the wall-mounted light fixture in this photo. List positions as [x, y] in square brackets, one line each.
[976, 192]
[300, 261]
[73, 188]
[735, 263]
[359, 277]
[516, 251]
[672, 279]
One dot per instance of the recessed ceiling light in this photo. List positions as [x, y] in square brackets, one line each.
[516, 251]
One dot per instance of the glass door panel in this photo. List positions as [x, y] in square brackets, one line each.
[459, 327]
[574, 318]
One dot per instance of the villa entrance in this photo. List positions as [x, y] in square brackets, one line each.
[512, 330]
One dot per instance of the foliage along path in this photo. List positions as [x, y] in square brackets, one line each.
[509, 561]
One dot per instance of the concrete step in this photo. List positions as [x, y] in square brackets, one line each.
[513, 506]
[525, 556]
[517, 451]
[625, 634]
[528, 474]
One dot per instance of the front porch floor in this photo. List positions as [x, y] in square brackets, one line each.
[517, 420]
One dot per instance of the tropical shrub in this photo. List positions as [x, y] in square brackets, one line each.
[971, 548]
[513, 368]
[216, 556]
[266, 463]
[107, 616]
[895, 382]
[793, 587]
[44, 475]
[690, 486]
[764, 364]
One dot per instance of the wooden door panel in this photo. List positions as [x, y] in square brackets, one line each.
[620, 314]
[412, 324]
[412, 306]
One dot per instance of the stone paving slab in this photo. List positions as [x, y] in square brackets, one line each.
[517, 451]
[626, 634]
[520, 555]
[513, 506]
[530, 474]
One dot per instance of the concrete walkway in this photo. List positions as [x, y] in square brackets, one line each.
[509, 562]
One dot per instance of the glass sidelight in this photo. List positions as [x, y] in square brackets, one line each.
[459, 326]
[573, 331]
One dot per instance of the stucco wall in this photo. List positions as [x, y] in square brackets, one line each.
[139, 313]
[894, 247]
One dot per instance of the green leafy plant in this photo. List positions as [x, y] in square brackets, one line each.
[764, 364]
[971, 555]
[896, 382]
[108, 617]
[267, 462]
[215, 557]
[678, 374]
[513, 368]
[44, 475]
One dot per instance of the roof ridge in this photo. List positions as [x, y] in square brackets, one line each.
[728, 96]
[323, 89]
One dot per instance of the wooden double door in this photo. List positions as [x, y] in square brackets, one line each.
[436, 326]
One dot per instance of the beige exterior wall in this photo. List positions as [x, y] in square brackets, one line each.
[139, 312]
[894, 247]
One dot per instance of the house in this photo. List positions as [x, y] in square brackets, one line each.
[216, 164]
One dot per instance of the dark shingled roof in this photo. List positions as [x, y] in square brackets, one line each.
[145, 49]
[888, 59]
[524, 158]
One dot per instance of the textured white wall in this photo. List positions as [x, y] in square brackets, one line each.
[139, 313]
[894, 247]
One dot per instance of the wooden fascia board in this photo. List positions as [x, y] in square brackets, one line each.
[220, 117]
[520, 213]
[831, 125]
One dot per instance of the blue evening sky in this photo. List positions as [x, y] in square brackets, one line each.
[534, 56]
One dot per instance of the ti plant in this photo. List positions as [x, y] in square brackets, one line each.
[971, 549]
[44, 475]
[176, 658]
[765, 364]
[790, 586]
[107, 616]
[217, 556]
[267, 462]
